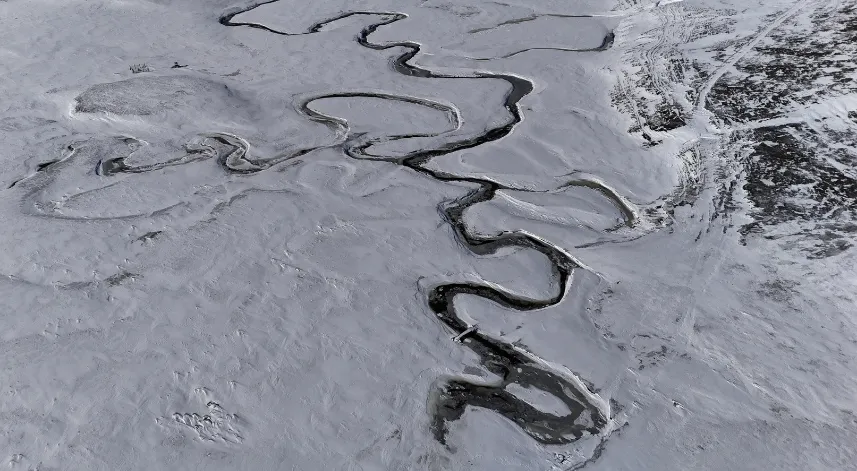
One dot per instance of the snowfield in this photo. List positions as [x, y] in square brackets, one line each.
[428, 235]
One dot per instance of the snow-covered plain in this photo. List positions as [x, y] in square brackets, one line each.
[372, 235]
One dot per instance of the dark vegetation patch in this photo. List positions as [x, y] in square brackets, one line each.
[799, 179]
[789, 181]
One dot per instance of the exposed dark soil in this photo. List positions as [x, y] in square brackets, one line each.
[801, 180]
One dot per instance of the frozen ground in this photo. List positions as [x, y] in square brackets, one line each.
[373, 235]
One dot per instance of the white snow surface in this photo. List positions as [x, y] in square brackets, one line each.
[188, 317]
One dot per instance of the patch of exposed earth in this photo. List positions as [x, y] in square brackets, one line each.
[791, 105]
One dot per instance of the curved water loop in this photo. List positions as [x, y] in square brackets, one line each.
[606, 44]
[513, 364]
